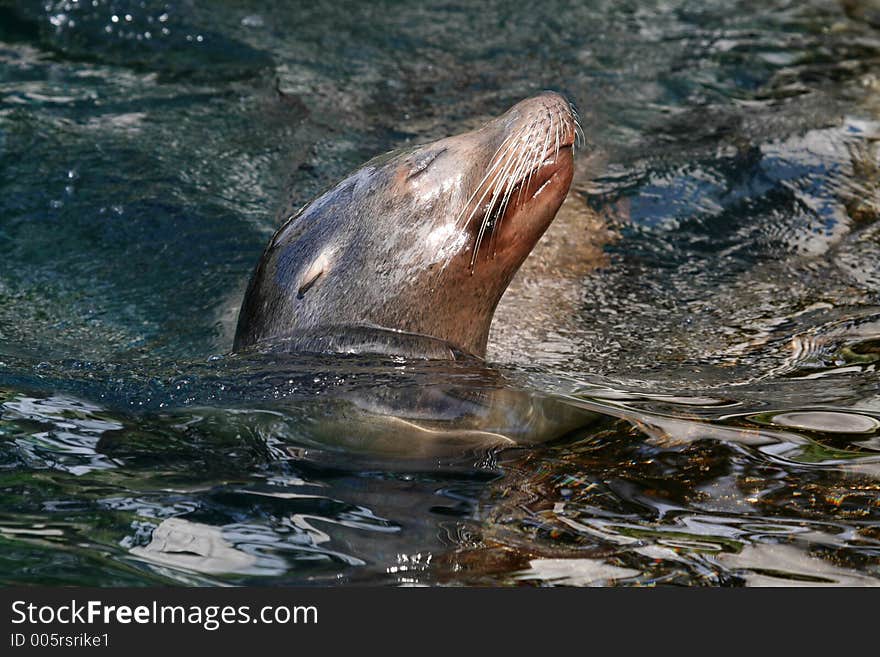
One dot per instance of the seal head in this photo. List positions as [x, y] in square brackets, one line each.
[417, 246]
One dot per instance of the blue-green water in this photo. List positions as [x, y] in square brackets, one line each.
[717, 350]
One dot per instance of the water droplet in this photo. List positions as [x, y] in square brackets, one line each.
[254, 20]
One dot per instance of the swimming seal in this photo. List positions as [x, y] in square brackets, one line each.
[411, 253]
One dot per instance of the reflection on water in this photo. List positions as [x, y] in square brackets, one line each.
[629, 488]
[684, 381]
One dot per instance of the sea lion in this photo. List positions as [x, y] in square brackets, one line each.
[411, 253]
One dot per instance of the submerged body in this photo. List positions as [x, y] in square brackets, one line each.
[411, 253]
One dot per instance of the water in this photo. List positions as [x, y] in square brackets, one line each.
[686, 372]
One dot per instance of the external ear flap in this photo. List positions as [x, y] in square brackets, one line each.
[312, 274]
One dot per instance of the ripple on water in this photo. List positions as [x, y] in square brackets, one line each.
[56, 432]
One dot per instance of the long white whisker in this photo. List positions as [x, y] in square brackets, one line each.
[496, 172]
[495, 163]
[526, 167]
[496, 192]
[580, 137]
[512, 180]
[490, 188]
[556, 131]
[531, 163]
[519, 169]
[540, 154]
[532, 166]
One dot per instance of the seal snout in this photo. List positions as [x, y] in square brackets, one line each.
[552, 112]
[527, 177]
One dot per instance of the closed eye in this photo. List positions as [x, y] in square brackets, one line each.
[424, 162]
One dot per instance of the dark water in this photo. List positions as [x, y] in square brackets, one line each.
[700, 405]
